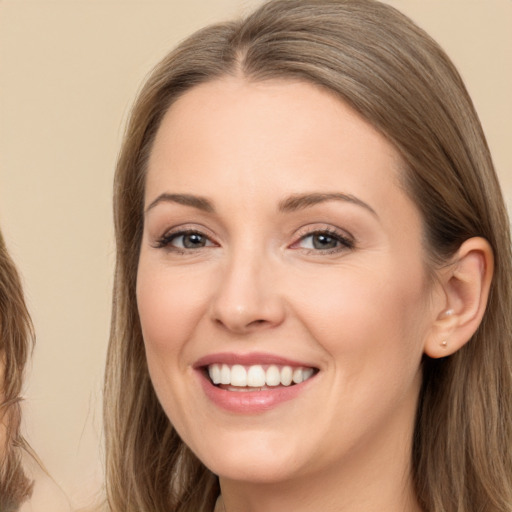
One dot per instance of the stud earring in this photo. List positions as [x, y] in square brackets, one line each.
[447, 313]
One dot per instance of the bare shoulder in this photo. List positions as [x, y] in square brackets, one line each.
[47, 495]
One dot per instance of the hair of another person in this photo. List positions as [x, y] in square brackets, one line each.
[397, 78]
[16, 340]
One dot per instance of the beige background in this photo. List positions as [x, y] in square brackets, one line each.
[69, 70]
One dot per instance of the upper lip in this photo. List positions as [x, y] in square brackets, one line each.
[253, 358]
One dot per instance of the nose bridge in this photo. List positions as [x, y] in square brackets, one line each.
[246, 297]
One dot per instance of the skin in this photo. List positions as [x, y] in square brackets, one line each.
[360, 313]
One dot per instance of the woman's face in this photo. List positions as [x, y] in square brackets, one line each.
[279, 246]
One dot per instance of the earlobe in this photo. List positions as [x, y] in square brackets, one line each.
[465, 284]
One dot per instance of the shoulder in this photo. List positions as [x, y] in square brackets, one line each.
[47, 495]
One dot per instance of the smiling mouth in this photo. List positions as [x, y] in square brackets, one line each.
[257, 377]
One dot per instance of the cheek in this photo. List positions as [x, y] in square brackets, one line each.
[365, 315]
[170, 304]
[372, 329]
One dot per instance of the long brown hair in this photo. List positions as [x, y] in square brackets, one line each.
[16, 338]
[397, 78]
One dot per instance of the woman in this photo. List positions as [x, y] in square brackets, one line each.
[24, 484]
[312, 290]
[15, 345]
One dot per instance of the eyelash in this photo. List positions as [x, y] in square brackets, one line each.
[343, 242]
[166, 240]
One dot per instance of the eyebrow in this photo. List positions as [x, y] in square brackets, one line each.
[301, 201]
[290, 204]
[201, 203]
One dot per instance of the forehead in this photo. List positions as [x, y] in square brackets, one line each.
[246, 145]
[247, 128]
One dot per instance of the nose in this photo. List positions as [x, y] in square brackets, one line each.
[247, 298]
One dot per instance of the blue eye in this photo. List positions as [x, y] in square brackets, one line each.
[324, 241]
[188, 240]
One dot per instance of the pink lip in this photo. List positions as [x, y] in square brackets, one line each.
[249, 402]
[248, 360]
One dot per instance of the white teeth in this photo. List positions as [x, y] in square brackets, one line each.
[307, 373]
[298, 375]
[225, 374]
[286, 375]
[214, 371]
[273, 376]
[255, 376]
[238, 376]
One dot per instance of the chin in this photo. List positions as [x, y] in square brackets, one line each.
[256, 460]
[254, 471]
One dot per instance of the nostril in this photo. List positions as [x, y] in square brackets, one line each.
[258, 322]
[241, 326]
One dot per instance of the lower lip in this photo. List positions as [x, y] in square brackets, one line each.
[251, 402]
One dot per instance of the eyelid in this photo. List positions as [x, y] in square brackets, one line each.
[164, 241]
[344, 237]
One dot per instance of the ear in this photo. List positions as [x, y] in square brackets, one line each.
[465, 284]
